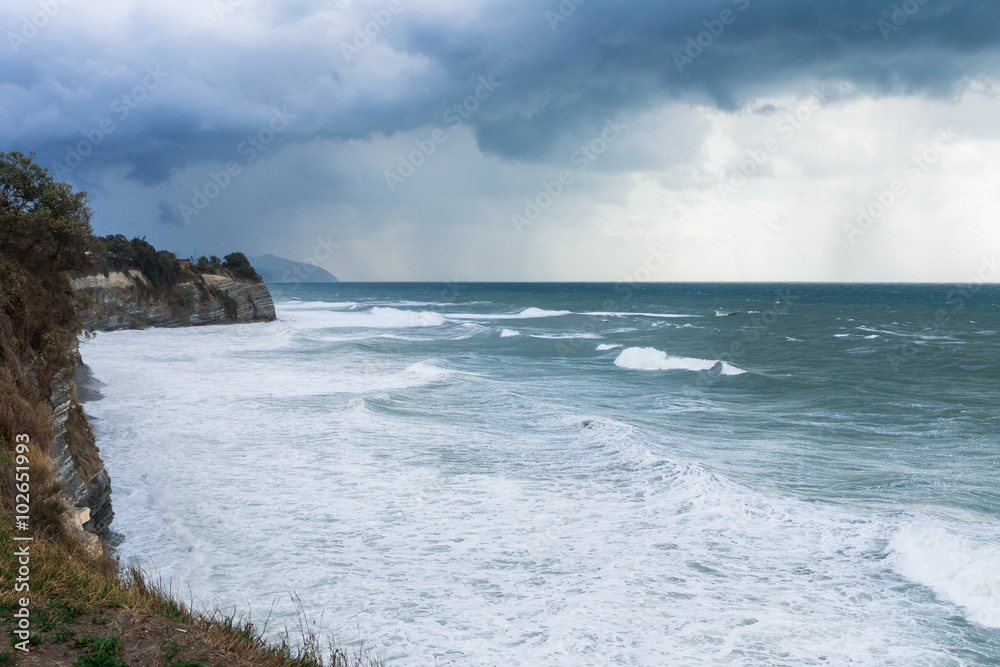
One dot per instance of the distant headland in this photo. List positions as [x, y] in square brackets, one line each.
[274, 269]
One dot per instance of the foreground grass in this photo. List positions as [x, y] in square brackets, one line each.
[88, 613]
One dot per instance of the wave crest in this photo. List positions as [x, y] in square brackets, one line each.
[651, 359]
[407, 318]
[964, 571]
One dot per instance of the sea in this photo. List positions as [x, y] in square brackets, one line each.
[575, 474]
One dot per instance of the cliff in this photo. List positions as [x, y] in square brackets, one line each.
[76, 464]
[126, 301]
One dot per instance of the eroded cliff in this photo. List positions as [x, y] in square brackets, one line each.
[126, 301]
[76, 463]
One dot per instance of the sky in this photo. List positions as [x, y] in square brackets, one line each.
[534, 140]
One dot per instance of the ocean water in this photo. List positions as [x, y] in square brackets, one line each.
[577, 474]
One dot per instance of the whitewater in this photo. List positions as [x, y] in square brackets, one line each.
[576, 474]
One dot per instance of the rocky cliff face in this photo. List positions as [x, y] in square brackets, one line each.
[76, 464]
[124, 301]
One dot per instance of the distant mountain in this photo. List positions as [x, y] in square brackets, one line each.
[274, 269]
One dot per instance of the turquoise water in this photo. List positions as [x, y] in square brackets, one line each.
[579, 474]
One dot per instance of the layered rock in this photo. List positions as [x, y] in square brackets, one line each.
[125, 301]
[76, 464]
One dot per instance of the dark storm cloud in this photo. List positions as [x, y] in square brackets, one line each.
[564, 68]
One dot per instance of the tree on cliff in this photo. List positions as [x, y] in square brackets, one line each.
[44, 233]
[238, 263]
[159, 266]
[44, 225]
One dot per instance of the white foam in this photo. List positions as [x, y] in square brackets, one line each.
[651, 359]
[507, 333]
[412, 318]
[526, 314]
[411, 304]
[568, 336]
[427, 372]
[628, 314]
[959, 569]
[603, 347]
[464, 522]
[539, 312]
[295, 304]
[378, 317]
[729, 369]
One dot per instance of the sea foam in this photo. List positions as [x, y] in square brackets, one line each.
[526, 314]
[651, 359]
[959, 569]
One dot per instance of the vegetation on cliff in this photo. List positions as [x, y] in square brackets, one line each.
[84, 609]
[160, 267]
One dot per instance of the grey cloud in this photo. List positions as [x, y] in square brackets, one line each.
[601, 60]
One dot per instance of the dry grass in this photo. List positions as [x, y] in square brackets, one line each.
[62, 577]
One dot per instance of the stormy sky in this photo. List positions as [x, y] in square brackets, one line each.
[852, 140]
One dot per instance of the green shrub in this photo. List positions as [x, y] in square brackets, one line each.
[98, 645]
[238, 263]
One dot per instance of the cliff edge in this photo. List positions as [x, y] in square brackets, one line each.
[125, 300]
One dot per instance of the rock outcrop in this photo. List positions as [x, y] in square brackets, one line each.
[125, 301]
[76, 463]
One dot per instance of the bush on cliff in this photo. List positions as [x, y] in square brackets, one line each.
[44, 233]
[238, 263]
[160, 267]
